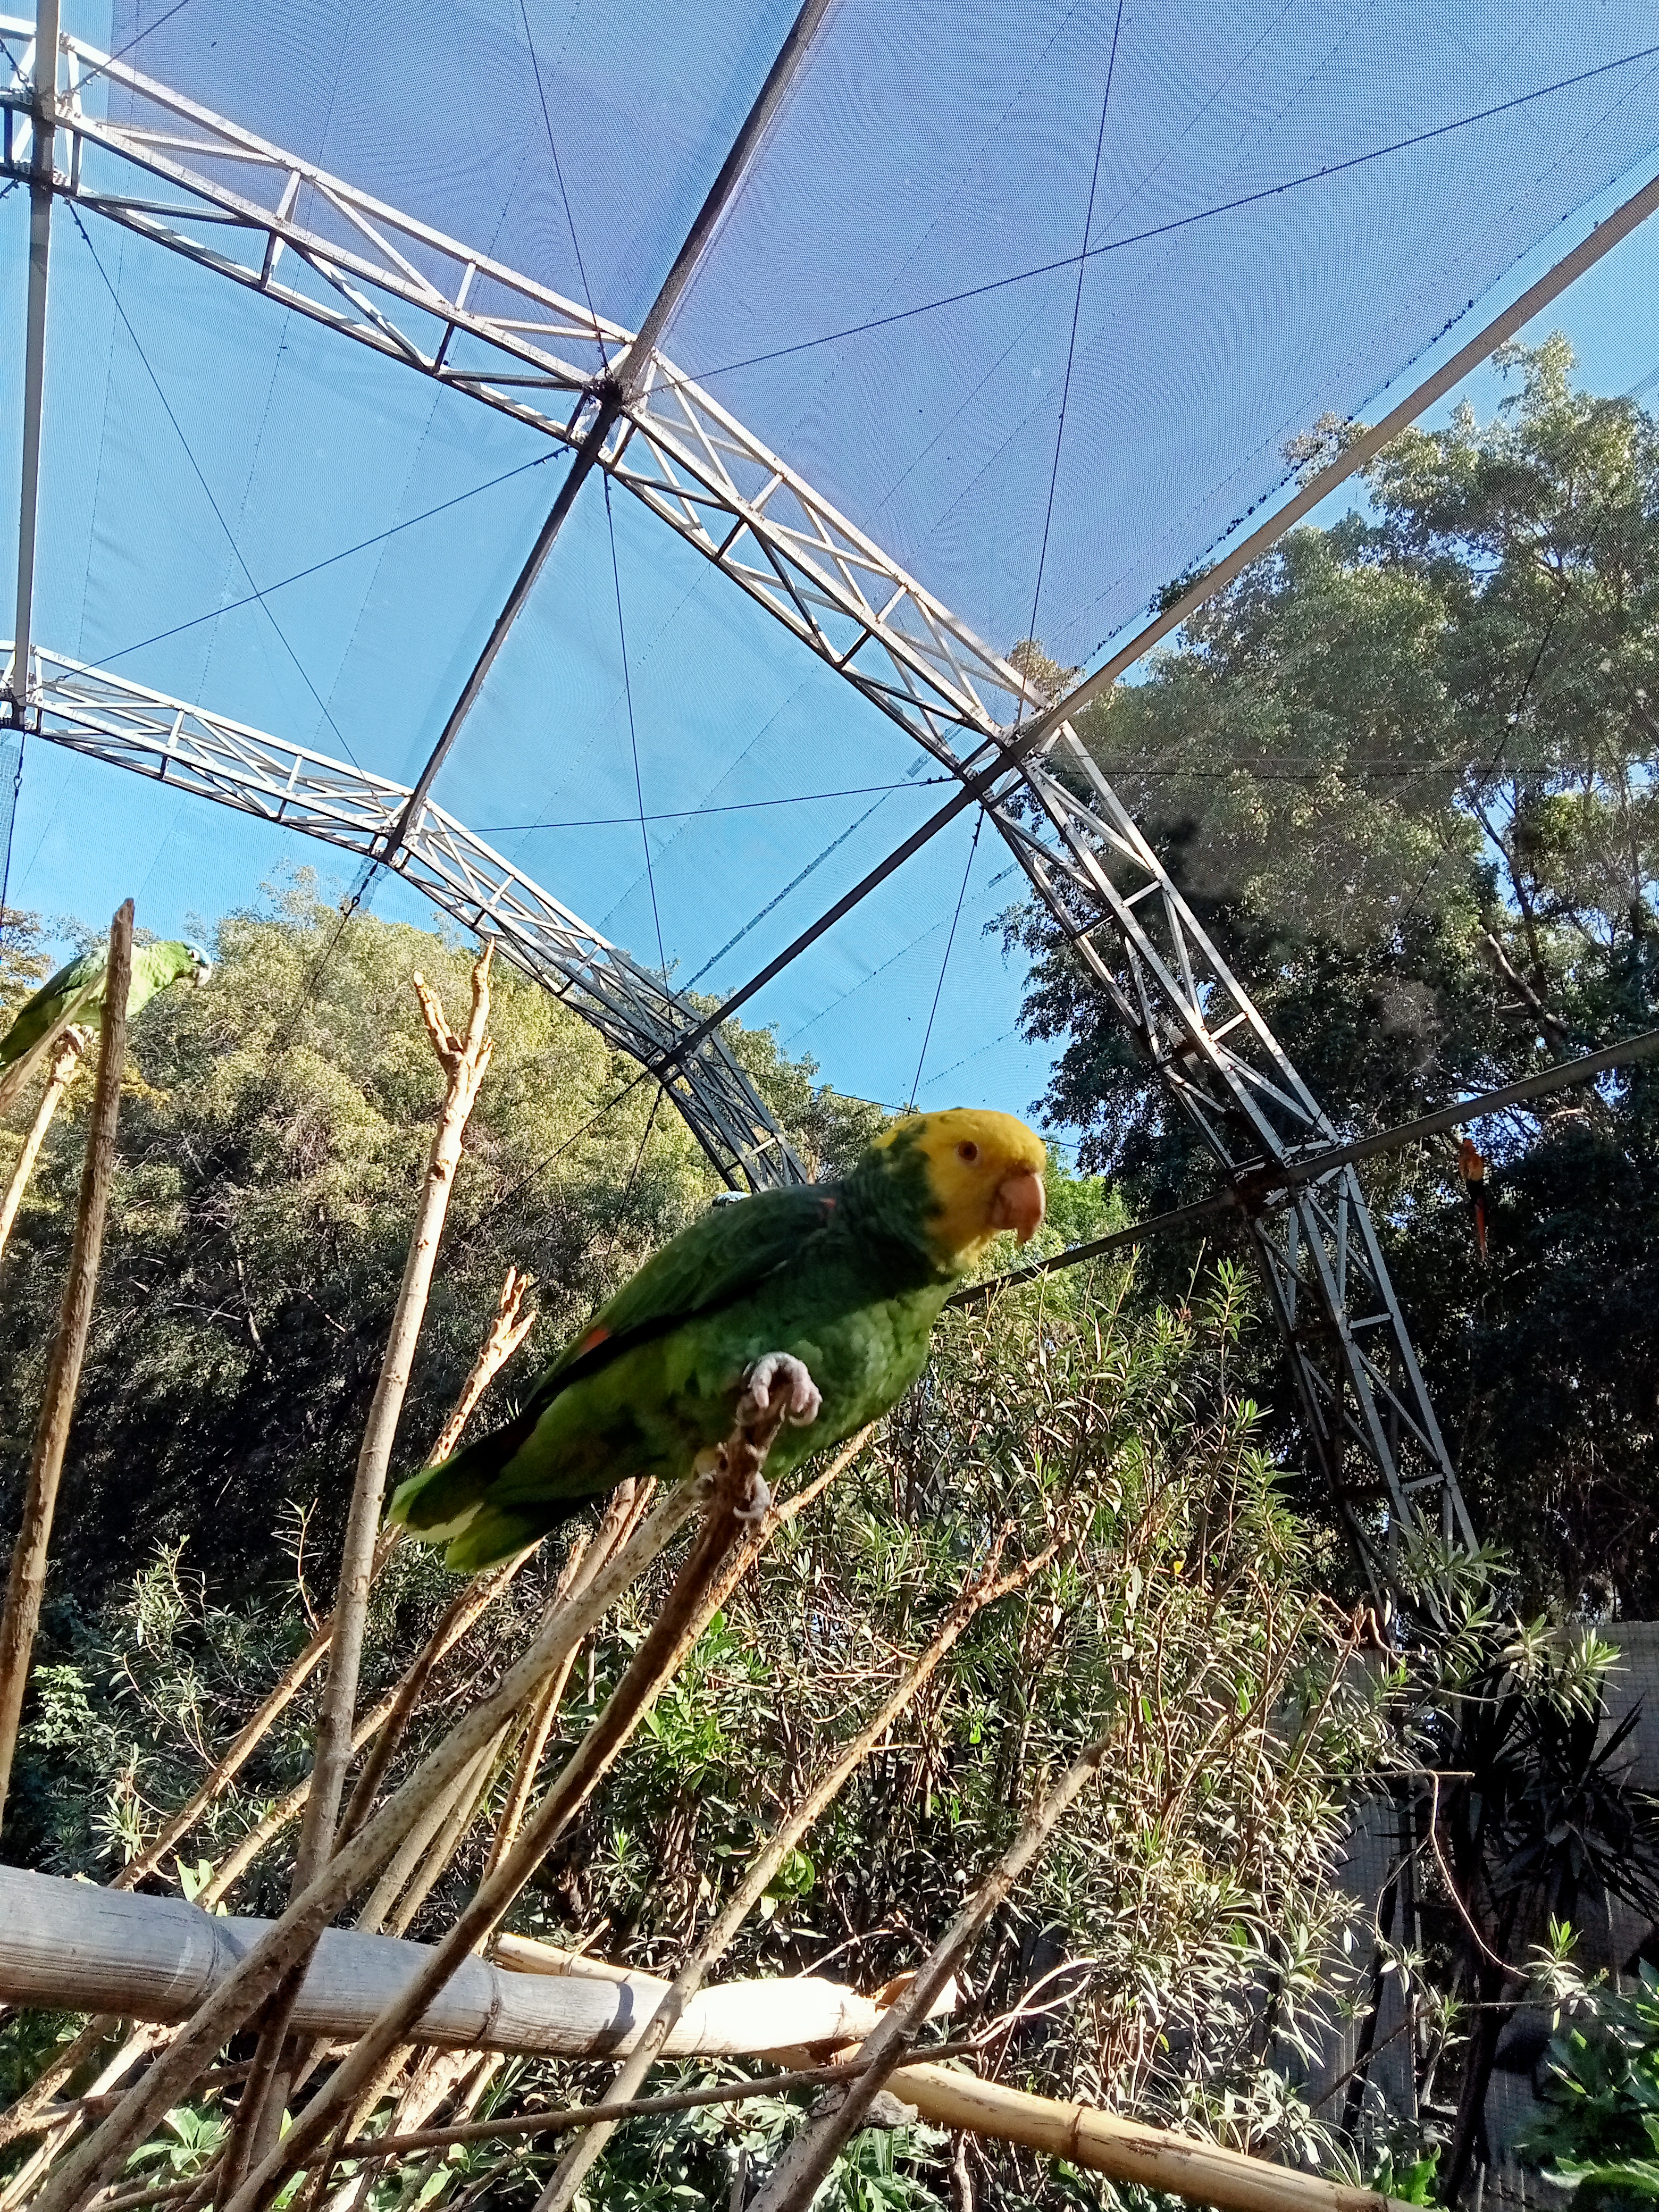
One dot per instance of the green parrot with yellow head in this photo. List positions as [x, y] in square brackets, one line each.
[825, 1291]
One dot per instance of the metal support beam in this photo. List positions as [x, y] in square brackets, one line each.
[612, 392]
[575, 477]
[191, 750]
[42, 109]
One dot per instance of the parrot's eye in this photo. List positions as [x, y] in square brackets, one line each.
[968, 1152]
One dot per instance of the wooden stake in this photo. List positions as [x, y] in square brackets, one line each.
[27, 1578]
[465, 1061]
[64, 1067]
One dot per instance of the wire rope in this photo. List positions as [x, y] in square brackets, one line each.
[1071, 342]
[330, 560]
[558, 172]
[282, 635]
[695, 813]
[633, 735]
[938, 988]
[1176, 223]
[120, 53]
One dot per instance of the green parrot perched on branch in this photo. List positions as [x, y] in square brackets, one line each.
[828, 1291]
[78, 989]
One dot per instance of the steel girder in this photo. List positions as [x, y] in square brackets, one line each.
[130, 725]
[278, 224]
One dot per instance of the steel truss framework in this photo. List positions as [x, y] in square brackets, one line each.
[189, 748]
[202, 187]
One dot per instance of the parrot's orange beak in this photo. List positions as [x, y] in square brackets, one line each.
[1020, 1203]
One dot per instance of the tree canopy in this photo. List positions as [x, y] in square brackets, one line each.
[1403, 768]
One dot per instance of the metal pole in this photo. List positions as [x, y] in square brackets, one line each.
[614, 392]
[35, 345]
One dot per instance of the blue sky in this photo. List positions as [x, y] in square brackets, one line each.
[196, 436]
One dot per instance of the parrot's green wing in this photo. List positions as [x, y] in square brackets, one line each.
[722, 1256]
[52, 1003]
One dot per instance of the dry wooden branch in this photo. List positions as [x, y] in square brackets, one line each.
[354, 1867]
[508, 1332]
[794, 2182]
[985, 1588]
[27, 1578]
[465, 1061]
[64, 1067]
[696, 1592]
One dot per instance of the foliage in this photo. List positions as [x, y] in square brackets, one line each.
[1599, 2130]
[1403, 770]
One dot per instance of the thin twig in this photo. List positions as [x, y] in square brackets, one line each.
[796, 2178]
[679, 2101]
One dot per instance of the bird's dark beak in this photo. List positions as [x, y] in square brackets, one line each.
[1020, 1203]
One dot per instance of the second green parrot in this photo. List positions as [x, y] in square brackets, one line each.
[826, 1291]
[78, 989]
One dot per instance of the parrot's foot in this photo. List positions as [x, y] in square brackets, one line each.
[779, 1374]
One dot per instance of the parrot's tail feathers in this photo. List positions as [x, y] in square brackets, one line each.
[438, 1501]
[495, 1533]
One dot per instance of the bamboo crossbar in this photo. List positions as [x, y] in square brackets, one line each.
[68, 1945]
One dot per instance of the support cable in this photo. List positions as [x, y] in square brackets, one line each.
[218, 511]
[1071, 342]
[1175, 224]
[1261, 1184]
[558, 172]
[943, 965]
[633, 733]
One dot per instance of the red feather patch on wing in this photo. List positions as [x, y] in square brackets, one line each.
[593, 1336]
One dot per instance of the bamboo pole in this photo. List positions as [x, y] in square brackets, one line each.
[64, 1068]
[1203, 2172]
[696, 1592]
[985, 1589]
[27, 1578]
[465, 1061]
[353, 1867]
[795, 2181]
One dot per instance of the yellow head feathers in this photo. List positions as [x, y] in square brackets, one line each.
[985, 1171]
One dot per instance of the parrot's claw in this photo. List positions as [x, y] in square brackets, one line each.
[782, 1371]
